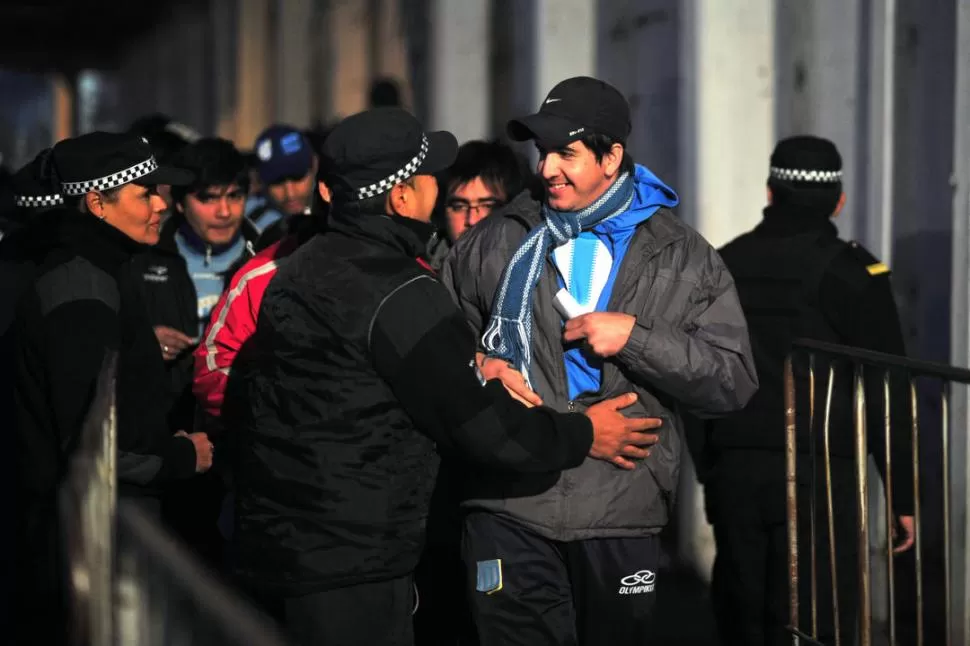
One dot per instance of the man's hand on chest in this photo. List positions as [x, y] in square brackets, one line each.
[605, 333]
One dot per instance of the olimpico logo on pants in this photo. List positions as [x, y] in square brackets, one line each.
[639, 583]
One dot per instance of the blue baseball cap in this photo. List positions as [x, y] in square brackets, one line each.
[282, 152]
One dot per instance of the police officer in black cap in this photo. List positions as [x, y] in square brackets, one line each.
[31, 194]
[338, 400]
[797, 279]
[74, 305]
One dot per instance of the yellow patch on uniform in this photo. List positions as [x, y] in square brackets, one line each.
[877, 268]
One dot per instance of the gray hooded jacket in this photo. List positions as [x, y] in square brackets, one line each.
[689, 349]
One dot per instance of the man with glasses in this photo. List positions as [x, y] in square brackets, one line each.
[483, 178]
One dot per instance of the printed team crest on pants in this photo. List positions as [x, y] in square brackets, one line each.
[489, 578]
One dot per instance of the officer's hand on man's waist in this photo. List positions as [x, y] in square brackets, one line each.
[619, 439]
[605, 332]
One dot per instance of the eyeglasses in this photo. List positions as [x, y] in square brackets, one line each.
[464, 207]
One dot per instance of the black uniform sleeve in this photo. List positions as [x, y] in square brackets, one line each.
[422, 347]
[856, 295]
[77, 337]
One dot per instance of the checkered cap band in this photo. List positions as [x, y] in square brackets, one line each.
[36, 201]
[386, 184]
[114, 180]
[801, 175]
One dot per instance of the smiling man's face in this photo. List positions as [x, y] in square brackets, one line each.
[573, 177]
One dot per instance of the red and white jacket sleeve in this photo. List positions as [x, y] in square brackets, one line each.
[233, 322]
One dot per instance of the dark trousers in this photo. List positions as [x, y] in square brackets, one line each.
[526, 589]
[443, 617]
[746, 501]
[358, 615]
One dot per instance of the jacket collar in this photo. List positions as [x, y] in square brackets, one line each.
[781, 222]
[401, 234]
[177, 221]
[660, 230]
[94, 239]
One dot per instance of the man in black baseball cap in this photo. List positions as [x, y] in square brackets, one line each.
[589, 289]
[797, 279]
[339, 402]
[575, 108]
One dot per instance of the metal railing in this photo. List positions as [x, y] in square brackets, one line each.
[861, 362]
[87, 503]
[129, 582]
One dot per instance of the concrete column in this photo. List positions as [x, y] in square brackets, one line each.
[294, 82]
[960, 334]
[460, 75]
[727, 63]
[644, 36]
[390, 50]
[350, 67]
[63, 91]
[565, 43]
[222, 27]
[194, 63]
[726, 104]
[818, 85]
[544, 42]
[878, 233]
[254, 89]
[512, 72]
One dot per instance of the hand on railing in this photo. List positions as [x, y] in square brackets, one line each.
[904, 534]
[203, 450]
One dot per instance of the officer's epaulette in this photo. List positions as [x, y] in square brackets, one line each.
[873, 265]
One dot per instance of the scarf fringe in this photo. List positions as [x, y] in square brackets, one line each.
[508, 339]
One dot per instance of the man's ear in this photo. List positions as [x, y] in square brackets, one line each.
[770, 195]
[325, 193]
[398, 202]
[613, 159]
[839, 206]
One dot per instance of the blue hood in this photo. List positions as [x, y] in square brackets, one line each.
[649, 195]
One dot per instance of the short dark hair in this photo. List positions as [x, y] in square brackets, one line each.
[600, 144]
[498, 166]
[215, 162]
[823, 198]
[367, 206]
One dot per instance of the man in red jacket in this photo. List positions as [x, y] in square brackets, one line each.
[233, 319]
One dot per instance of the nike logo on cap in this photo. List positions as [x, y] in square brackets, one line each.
[552, 100]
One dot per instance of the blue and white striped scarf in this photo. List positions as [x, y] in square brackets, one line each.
[509, 332]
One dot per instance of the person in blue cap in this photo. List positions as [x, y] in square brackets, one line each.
[286, 166]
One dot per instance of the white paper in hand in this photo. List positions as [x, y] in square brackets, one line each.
[567, 305]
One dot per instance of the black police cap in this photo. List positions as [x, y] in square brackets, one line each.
[34, 185]
[370, 152]
[575, 108]
[100, 161]
[806, 160]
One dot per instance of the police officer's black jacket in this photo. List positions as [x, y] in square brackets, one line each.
[360, 364]
[797, 279]
[72, 304]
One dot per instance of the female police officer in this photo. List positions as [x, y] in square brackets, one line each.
[73, 307]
